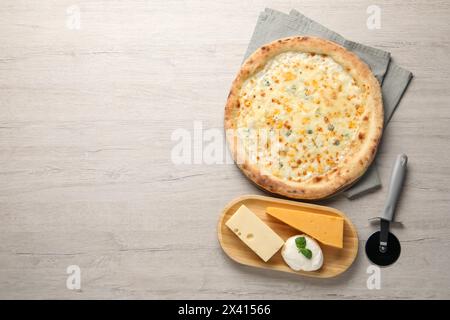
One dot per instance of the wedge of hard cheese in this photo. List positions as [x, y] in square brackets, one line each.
[325, 228]
[255, 233]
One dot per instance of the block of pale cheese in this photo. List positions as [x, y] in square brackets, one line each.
[325, 228]
[255, 233]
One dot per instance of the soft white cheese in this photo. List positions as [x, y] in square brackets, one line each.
[296, 260]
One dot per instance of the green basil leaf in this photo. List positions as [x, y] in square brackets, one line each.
[300, 242]
[306, 252]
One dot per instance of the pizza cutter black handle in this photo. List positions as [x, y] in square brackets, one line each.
[395, 186]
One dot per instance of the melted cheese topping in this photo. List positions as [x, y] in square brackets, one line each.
[299, 115]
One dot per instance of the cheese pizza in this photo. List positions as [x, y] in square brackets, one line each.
[304, 117]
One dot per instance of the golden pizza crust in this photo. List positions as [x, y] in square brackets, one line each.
[362, 149]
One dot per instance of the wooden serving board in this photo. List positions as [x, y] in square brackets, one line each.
[335, 262]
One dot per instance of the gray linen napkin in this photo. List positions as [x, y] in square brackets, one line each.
[273, 25]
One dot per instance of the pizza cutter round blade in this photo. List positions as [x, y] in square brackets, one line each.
[391, 253]
[382, 247]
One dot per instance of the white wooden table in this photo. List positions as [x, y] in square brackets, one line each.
[86, 177]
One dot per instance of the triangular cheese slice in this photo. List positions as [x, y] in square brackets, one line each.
[325, 228]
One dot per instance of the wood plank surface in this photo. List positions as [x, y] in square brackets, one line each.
[86, 176]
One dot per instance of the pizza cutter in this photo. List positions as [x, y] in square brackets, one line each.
[382, 247]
